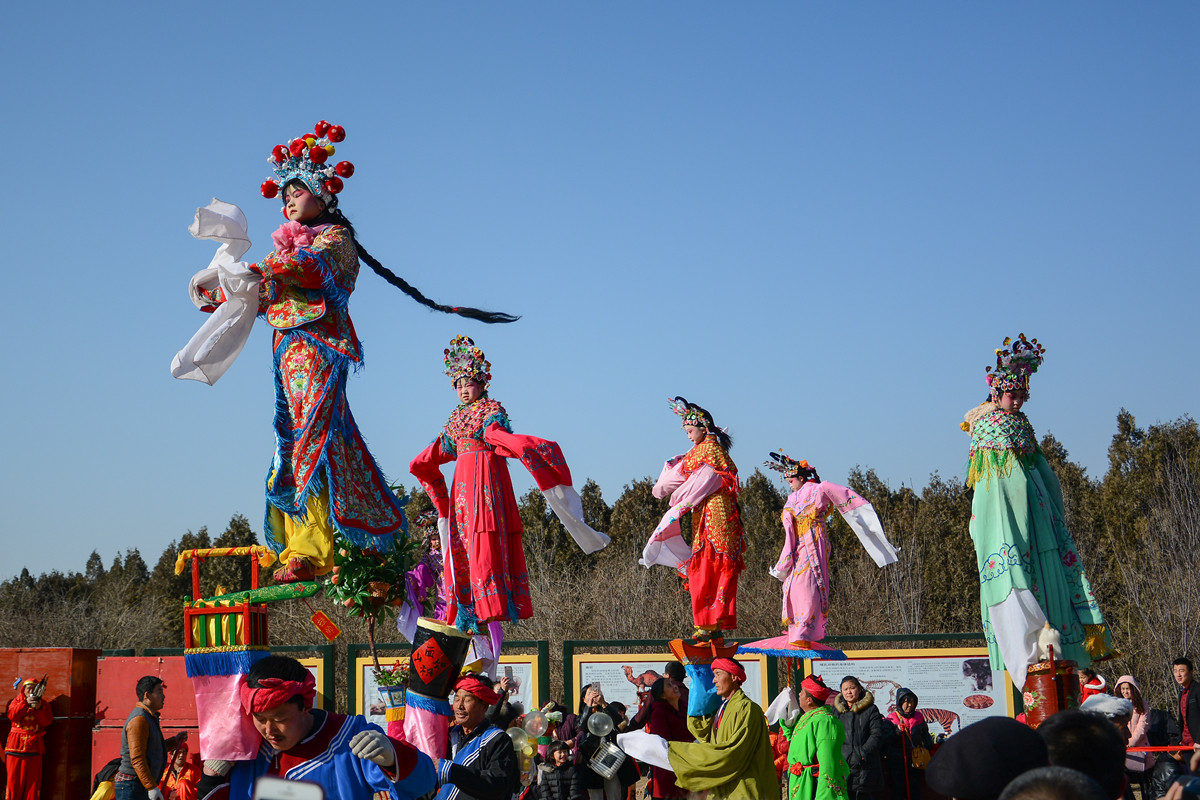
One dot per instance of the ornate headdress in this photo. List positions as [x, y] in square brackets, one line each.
[426, 522]
[306, 159]
[692, 414]
[1014, 366]
[790, 467]
[465, 360]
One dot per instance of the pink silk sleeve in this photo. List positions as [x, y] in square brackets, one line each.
[672, 478]
[427, 469]
[787, 561]
[543, 458]
[842, 497]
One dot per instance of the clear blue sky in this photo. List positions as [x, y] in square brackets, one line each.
[816, 219]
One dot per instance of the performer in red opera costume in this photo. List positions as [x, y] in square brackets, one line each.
[26, 741]
[485, 577]
[323, 482]
[705, 482]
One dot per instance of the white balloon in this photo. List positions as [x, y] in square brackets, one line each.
[519, 738]
[600, 724]
[536, 723]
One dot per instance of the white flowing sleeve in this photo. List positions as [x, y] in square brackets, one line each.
[221, 338]
[863, 520]
[666, 546]
[566, 504]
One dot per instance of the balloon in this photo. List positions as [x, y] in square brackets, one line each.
[536, 723]
[600, 724]
[519, 739]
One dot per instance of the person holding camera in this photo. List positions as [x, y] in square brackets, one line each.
[26, 741]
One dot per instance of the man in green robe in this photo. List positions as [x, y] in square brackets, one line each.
[731, 758]
[816, 769]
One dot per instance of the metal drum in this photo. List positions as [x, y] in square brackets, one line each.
[607, 760]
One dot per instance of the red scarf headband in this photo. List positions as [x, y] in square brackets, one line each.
[732, 667]
[820, 693]
[471, 684]
[272, 692]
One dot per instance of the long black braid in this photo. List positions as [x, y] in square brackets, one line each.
[334, 216]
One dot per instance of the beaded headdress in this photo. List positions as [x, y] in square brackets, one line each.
[306, 159]
[691, 414]
[790, 467]
[1015, 365]
[465, 360]
[426, 521]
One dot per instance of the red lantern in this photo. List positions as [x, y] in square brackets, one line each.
[317, 154]
[321, 128]
[297, 147]
[269, 189]
[344, 168]
[334, 185]
[336, 133]
[280, 153]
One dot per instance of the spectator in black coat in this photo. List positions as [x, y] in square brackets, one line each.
[865, 737]
[558, 779]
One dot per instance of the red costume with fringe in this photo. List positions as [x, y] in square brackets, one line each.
[25, 746]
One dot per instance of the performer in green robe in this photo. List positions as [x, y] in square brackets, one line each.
[731, 757]
[816, 769]
[1030, 572]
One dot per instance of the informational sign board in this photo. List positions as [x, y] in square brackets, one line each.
[316, 665]
[954, 686]
[521, 668]
[623, 678]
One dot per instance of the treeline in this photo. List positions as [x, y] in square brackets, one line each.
[1138, 530]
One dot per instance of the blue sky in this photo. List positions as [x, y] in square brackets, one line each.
[815, 219]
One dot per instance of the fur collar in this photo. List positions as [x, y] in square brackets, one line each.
[860, 705]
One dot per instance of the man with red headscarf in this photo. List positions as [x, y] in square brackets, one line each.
[480, 761]
[348, 756]
[816, 769]
[23, 751]
[731, 757]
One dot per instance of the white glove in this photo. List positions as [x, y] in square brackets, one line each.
[154, 794]
[443, 526]
[217, 767]
[374, 746]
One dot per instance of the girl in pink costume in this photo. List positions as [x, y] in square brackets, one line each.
[803, 565]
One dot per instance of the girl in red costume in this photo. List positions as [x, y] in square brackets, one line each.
[484, 559]
[705, 482]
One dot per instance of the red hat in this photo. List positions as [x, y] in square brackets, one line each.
[471, 684]
[732, 667]
[816, 687]
[272, 692]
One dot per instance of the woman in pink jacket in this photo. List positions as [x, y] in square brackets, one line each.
[1136, 763]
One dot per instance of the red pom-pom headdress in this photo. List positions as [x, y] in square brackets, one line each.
[307, 159]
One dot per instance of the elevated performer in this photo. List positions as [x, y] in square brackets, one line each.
[1030, 572]
[322, 481]
[483, 555]
[803, 564]
[703, 481]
